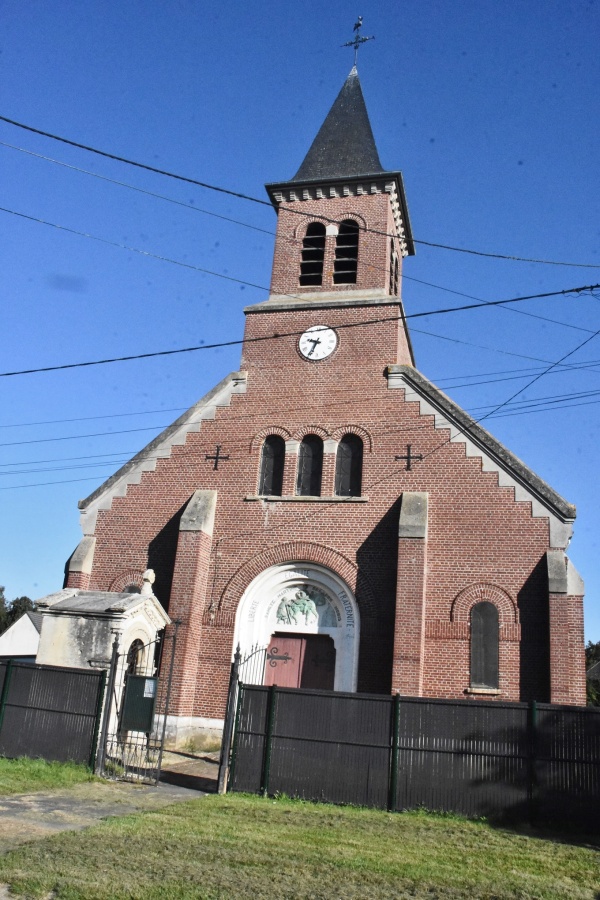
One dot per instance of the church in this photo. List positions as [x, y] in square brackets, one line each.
[327, 502]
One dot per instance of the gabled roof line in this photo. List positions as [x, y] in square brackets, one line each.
[159, 448]
[469, 432]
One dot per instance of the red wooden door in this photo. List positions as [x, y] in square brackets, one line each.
[283, 665]
[306, 661]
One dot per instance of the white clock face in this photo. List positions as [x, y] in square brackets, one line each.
[317, 342]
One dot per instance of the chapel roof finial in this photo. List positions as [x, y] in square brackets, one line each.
[357, 40]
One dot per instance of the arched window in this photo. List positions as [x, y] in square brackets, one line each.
[310, 466]
[271, 466]
[135, 657]
[348, 466]
[313, 252]
[346, 253]
[484, 646]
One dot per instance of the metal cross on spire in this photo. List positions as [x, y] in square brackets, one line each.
[358, 40]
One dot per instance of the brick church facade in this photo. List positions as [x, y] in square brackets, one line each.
[327, 501]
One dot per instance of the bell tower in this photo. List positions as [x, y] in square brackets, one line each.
[342, 226]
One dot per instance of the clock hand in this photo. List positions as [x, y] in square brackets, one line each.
[314, 342]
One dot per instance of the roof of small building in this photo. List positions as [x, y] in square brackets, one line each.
[74, 600]
[36, 620]
[344, 146]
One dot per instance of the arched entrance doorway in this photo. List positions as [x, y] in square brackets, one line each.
[307, 619]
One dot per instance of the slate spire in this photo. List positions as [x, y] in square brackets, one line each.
[345, 145]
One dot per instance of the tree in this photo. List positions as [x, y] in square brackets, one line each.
[10, 612]
[592, 656]
[19, 606]
[3, 611]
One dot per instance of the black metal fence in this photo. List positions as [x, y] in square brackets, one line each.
[479, 758]
[49, 712]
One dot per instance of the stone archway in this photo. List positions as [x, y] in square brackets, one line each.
[294, 600]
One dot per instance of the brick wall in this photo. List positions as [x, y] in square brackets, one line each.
[477, 533]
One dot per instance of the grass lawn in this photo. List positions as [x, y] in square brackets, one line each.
[20, 776]
[239, 846]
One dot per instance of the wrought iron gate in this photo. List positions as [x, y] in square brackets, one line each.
[136, 709]
[249, 670]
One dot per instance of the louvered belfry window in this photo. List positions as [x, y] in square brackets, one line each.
[271, 466]
[348, 466]
[484, 646]
[313, 253]
[346, 253]
[310, 467]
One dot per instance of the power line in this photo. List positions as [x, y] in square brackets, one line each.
[128, 455]
[157, 353]
[465, 431]
[453, 340]
[545, 262]
[67, 437]
[15, 487]
[241, 196]
[147, 253]
[143, 412]
[520, 408]
[138, 190]
[138, 165]
[540, 375]
[490, 378]
[193, 208]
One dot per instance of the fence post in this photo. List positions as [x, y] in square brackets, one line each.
[236, 733]
[393, 789]
[268, 739]
[228, 725]
[99, 704]
[108, 705]
[532, 792]
[5, 687]
[176, 623]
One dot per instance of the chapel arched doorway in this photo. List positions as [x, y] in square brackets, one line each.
[304, 619]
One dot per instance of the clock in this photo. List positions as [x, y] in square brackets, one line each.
[317, 342]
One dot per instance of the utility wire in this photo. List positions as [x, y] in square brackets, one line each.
[241, 196]
[435, 312]
[192, 207]
[138, 190]
[126, 455]
[147, 253]
[488, 378]
[521, 407]
[465, 431]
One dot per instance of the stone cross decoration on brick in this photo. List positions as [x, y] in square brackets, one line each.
[358, 40]
[217, 457]
[409, 457]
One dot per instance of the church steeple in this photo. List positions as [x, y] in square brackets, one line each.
[343, 226]
[345, 145]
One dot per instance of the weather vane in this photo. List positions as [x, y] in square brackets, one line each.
[358, 40]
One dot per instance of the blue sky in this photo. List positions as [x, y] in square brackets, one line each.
[490, 110]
